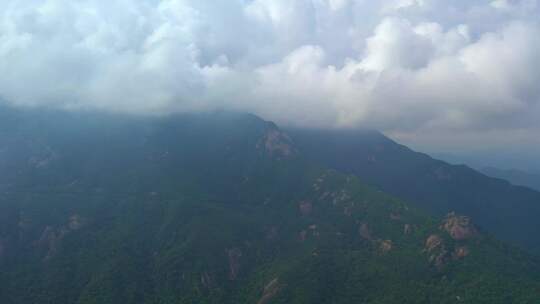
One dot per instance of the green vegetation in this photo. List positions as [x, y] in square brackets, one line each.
[509, 212]
[221, 208]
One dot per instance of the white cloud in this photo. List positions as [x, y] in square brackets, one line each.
[402, 66]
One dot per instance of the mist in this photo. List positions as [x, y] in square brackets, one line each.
[438, 75]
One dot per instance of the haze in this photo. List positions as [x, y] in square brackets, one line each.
[452, 76]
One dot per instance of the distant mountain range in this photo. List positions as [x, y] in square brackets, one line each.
[514, 176]
[229, 208]
[525, 160]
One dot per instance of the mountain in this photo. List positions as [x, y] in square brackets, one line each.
[509, 212]
[514, 176]
[221, 208]
[515, 158]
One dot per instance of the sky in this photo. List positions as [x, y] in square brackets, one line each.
[440, 75]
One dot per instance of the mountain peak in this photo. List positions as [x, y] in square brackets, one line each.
[200, 208]
[277, 143]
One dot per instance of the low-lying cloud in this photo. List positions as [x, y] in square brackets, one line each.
[407, 67]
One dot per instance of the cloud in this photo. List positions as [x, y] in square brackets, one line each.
[407, 67]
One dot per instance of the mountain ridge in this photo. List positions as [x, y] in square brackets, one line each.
[428, 183]
[222, 209]
[515, 176]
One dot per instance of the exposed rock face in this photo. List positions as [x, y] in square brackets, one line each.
[386, 246]
[340, 197]
[51, 238]
[459, 227]
[49, 241]
[437, 251]
[461, 252]
[318, 183]
[407, 229]
[395, 216]
[75, 222]
[277, 143]
[303, 235]
[439, 260]
[234, 263]
[433, 242]
[206, 280]
[364, 231]
[306, 208]
[439, 256]
[314, 231]
[270, 290]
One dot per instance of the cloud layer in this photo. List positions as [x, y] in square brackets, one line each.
[408, 67]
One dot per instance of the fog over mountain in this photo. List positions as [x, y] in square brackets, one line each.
[269, 151]
[432, 73]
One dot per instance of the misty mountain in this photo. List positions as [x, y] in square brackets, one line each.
[514, 176]
[221, 208]
[509, 212]
[524, 160]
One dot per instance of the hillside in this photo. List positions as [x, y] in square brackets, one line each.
[509, 212]
[516, 177]
[221, 208]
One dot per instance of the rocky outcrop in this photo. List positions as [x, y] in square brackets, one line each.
[302, 235]
[439, 255]
[314, 231]
[234, 256]
[340, 197]
[364, 231]
[407, 229]
[395, 216]
[433, 242]
[461, 252]
[436, 249]
[276, 144]
[270, 290]
[207, 280]
[75, 222]
[347, 211]
[305, 207]
[49, 241]
[317, 186]
[51, 237]
[459, 227]
[385, 246]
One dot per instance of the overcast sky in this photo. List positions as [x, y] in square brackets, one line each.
[438, 74]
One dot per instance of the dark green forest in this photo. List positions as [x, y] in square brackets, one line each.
[507, 211]
[223, 208]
